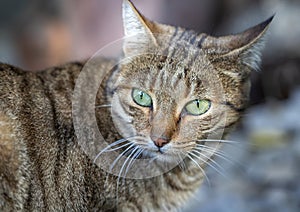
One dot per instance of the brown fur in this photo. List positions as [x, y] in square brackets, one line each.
[43, 167]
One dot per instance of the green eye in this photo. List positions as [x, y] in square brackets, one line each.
[141, 98]
[197, 107]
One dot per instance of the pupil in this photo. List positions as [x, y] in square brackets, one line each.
[141, 95]
[198, 103]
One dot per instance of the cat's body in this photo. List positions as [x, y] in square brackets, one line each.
[44, 168]
[42, 165]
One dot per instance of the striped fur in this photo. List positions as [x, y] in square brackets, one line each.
[43, 167]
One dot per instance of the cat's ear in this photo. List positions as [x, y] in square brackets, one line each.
[138, 30]
[245, 46]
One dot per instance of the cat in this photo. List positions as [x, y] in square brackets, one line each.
[171, 98]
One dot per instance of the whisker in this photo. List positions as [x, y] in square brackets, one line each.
[181, 163]
[219, 141]
[116, 148]
[210, 148]
[190, 144]
[138, 154]
[122, 154]
[120, 172]
[180, 146]
[129, 158]
[109, 146]
[133, 159]
[206, 162]
[219, 153]
[216, 153]
[209, 164]
[102, 106]
[106, 149]
[209, 158]
[201, 169]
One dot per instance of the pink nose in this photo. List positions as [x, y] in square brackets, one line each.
[160, 142]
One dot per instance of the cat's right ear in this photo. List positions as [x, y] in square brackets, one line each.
[138, 30]
[244, 47]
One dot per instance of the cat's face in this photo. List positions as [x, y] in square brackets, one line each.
[169, 98]
[167, 107]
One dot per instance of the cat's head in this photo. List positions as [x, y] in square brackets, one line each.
[176, 88]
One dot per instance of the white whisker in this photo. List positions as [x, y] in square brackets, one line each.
[123, 166]
[214, 152]
[209, 164]
[129, 157]
[181, 163]
[219, 153]
[202, 170]
[116, 148]
[122, 154]
[102, 106]
[219, 141]
[133, 159]
[109, 146]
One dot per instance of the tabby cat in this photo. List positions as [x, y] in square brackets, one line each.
[140, 142]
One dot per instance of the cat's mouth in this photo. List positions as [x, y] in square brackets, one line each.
[165, 153]
[155, 152]
[148, 152]
[144, 149]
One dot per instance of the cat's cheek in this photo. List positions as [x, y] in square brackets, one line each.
[141, 120]
[185, 129]
[142, 127]
[193, 127]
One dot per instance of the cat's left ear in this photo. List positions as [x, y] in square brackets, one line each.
[138, 30]
[245, 46]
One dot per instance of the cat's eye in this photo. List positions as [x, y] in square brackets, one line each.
[197, 107]
[141, 98]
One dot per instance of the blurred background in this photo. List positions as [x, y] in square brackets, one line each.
[36, 34]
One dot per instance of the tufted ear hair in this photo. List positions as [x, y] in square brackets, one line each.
[138, 30]
[246, 46]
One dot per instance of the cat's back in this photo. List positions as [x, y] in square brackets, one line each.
[16, 84]
[35, 125]
[31, 101]
[27, 111]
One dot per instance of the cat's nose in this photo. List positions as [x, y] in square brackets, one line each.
[160, 142]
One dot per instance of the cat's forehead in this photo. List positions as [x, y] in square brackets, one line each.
[187, 63]
[168, 76]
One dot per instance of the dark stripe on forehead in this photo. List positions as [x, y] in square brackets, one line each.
[196, 54]
[174, 34]
[190, 36]
[199, 45]
[186, 35]
[176, 40]
[192, 41]
[177, 79]
[191, 61]
[182, 35]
